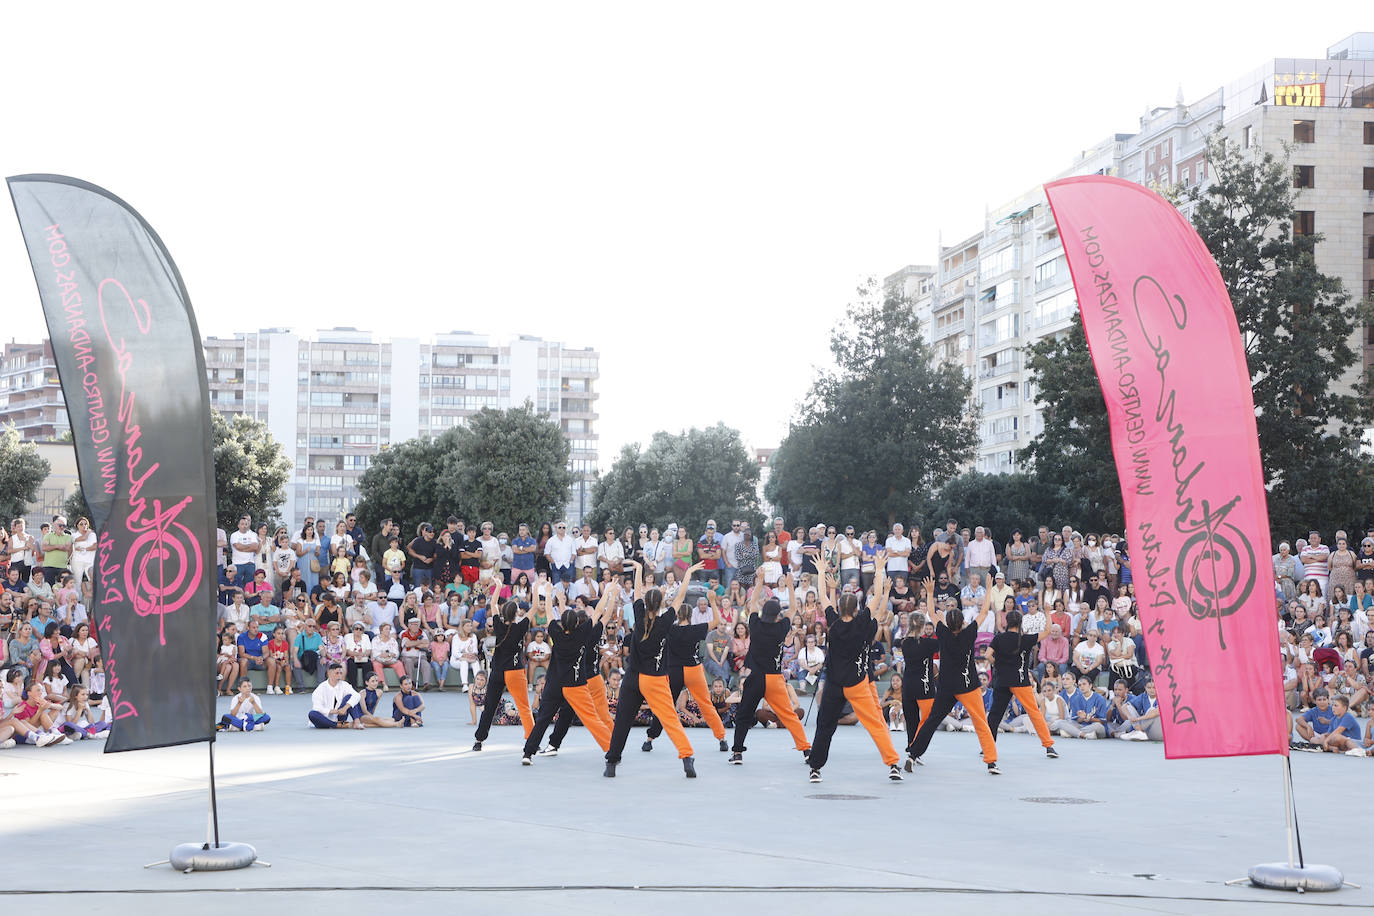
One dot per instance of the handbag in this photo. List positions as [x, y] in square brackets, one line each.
[315, 561]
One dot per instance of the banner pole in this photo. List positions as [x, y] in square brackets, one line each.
[214, 808]
[1289, 815]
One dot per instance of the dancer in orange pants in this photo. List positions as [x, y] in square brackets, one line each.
[918, 678]
[577, 697]
[768, 629]
[849, 638]
[507, 672]
[647, 674]
[958, 679]
[1011, 662]
[596, 689]
[684, 670]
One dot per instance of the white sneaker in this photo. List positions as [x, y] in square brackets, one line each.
[1353, 752]
[1139, 736]
[47, 738]
[8, 743]
[1064, 733]
[1090, 735]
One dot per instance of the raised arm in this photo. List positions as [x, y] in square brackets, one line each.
[639, 578]
[932, 609]
[983, 611]
[756, 596]
[605, 602]
[681, 597]
[824, 596]
[714, 602]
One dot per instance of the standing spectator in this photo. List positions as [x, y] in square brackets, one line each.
[83, 550]
[561, 549]
[23, 549]
[378, 546]
[243, 550]
[422, 550]
[1018, 558]
[849, 554]
[523, 548]
[746, 555]
[584, 548]
[708, 551]
[729, 559]
[309, 555]
[898, 548]
[1316, 560]
[982, 555]
[1342, 566]
[57, 550]
[657, 553]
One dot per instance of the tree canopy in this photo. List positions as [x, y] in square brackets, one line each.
[22, 472]
[879, 430]
[686, 478]
[251, 470]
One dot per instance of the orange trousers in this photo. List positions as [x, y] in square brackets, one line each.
[940, 707]
[519, 689]
[694, 678]
[775, 692]
[597, 688]
[1026, 697]
[581, 703]
[659, 696]
[863, 699]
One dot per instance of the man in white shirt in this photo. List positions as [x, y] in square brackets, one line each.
[243, 545]
[849, 551]
[585, 586]
[982, 555]
[584, 546]
[335, 702]
[898, 547]
[702, 612]
[560, 550]
[728, 543]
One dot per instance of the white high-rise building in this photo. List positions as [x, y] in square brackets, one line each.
[334, 401]
[1005, 288]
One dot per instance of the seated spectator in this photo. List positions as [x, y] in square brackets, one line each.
[414, 652]
[34, 720]
[236, 612]
[1089, 658]
[357, 655]
[335, 704]
[227, 661]
[407, 705]
[386, 653]
[537, 654]
[440, 650]
[371, 698]
[1054, 654]
[1147, 712]
[1087, 714]
[245, 712]
[83, 718]
[252, 647]
[1122, 716]
[1329, 725]
[305, 652]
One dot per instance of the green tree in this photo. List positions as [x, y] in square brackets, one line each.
[1002, 502]
[508, 467]
[1296, 323]
[402, 483]
[22, 472]
[685, 478]
[1074, 452]
[250, 470]
[878, 431]
[75, 506]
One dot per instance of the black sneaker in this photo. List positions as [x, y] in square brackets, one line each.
[894, 773]
[1051, 753]
[550, 751]
[610, 770]
[736, 759]
[476, 745]
[723, 746]
[689, 766]
[815, 776]
[647, 746]
[526, 761]
[992, 769]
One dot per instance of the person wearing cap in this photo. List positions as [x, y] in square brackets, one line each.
[1000, 591]
[709, 550]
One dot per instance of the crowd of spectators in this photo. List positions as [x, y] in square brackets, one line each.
[294, 602]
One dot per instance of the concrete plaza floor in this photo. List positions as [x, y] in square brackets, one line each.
[415, 818]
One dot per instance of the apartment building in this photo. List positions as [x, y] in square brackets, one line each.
[1001, 290]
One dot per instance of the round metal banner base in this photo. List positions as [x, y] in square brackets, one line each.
[189, 857]
[1281, 876]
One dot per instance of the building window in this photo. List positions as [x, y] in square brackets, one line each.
[1304, 222]
[1245, 137]
[1369, 133]
[1150, 159]
[1304, 176]
[1187, 177]
[1304, 131]
[1368, 178]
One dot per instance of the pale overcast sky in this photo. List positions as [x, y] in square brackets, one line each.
[694, 190]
